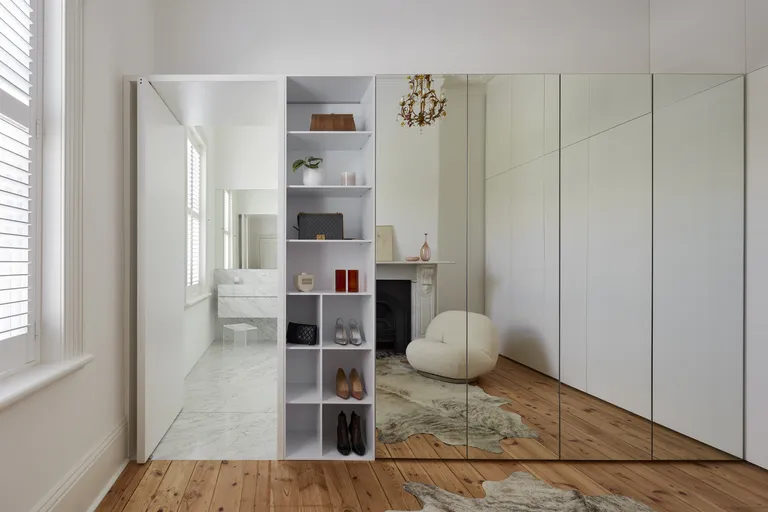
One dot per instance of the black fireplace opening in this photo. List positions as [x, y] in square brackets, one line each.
[393, 314]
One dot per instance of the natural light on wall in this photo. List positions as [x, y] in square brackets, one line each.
[194, 214]
[18, 102]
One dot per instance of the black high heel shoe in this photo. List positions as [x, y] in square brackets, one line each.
[342, 434]
[356, 435]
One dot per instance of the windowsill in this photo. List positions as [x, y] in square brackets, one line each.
[197, 300]
[21, 385]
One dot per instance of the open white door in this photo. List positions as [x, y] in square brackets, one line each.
[161, 263]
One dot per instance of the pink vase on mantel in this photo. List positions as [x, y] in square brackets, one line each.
[426, 252]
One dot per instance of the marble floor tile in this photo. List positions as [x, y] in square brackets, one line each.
[206, 436]
[230, 406]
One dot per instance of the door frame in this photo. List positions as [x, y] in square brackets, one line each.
[129, 326]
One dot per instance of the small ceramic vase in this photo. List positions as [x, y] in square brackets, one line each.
[312, 177]
[426, 252]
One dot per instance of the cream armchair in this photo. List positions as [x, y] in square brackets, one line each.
[445, 354]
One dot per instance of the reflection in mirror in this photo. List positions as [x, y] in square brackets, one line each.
[698, 241]
[421, 275]
[247, 222]
[605, 263]
[513, 170]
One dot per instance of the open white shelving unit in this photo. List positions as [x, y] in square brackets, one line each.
[311, 405]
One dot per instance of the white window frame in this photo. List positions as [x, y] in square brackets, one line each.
[227, 229]
[196, 291]
[24, 349]
[58, 257]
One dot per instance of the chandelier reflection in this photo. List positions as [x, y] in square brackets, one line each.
[421, 106]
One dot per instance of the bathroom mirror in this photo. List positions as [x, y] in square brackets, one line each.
[698, 266]
[421, 305]
[247, 229]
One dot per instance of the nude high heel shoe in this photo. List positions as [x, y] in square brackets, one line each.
[356, 383]
[342, 386]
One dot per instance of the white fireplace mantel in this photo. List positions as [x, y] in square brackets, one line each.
[423, 288]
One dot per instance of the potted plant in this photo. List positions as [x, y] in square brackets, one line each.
[312, 176]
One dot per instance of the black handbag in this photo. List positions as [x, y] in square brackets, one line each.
[301, 334]
[320, 226]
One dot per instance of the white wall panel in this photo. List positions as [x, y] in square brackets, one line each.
[619, 267]
[757, 272]
[757, 35]
[697, 36]
[498, 132]
[698, 265]
[483, 36]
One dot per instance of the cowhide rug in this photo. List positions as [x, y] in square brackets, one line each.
[408, 403]
[521, 492]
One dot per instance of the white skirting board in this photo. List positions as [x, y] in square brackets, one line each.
[85, 485]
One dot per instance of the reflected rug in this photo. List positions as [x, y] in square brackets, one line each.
[408, 403]
[521, 492]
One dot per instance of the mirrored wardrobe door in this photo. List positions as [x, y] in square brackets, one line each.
[421, 254]
[698, 242]
[513, 200]
[605, 265]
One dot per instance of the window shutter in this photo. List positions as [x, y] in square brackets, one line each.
[17, 122]
[194, 186]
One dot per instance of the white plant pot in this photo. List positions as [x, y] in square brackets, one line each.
[313, 177]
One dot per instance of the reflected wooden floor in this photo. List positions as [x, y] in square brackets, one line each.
[255, 486]
[590, 429]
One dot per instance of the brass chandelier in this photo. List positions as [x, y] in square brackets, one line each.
[421, 107]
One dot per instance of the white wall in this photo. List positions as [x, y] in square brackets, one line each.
[51, 433]
[245, 157]
[515, 36]
[258, 202]
[407, 176]
[521, 204]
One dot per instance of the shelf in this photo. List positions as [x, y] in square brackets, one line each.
[328, 191]
[330, 397]
[416, 262]
[328, 292]
[302, 394]
[302, 445]
[331, 345]
[359, 242]
[293, 346]
[327, 141]
[331, 453]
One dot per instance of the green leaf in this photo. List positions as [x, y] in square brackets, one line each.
[298, 164]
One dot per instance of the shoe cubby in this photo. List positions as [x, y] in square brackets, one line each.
[347, 307]
[303, 431]
[329, 431]
[347, 360]
[302, 377]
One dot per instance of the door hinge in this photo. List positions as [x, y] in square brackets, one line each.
[38, 129]
[35, 330]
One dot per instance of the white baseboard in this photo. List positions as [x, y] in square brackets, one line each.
[84, 486]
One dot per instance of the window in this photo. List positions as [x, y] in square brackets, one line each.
[19, 174]
[227, 229]
[195, 215]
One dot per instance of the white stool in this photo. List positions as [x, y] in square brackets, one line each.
[238, 333]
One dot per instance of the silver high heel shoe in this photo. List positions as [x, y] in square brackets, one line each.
[355, 334]
[341, 333]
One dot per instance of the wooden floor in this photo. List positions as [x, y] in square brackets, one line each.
[228, 486]
[586, 428]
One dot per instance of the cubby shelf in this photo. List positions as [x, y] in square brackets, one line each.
[328, 191]
[312, 407]
[331, 293]
[327, 141]
[332, 345]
